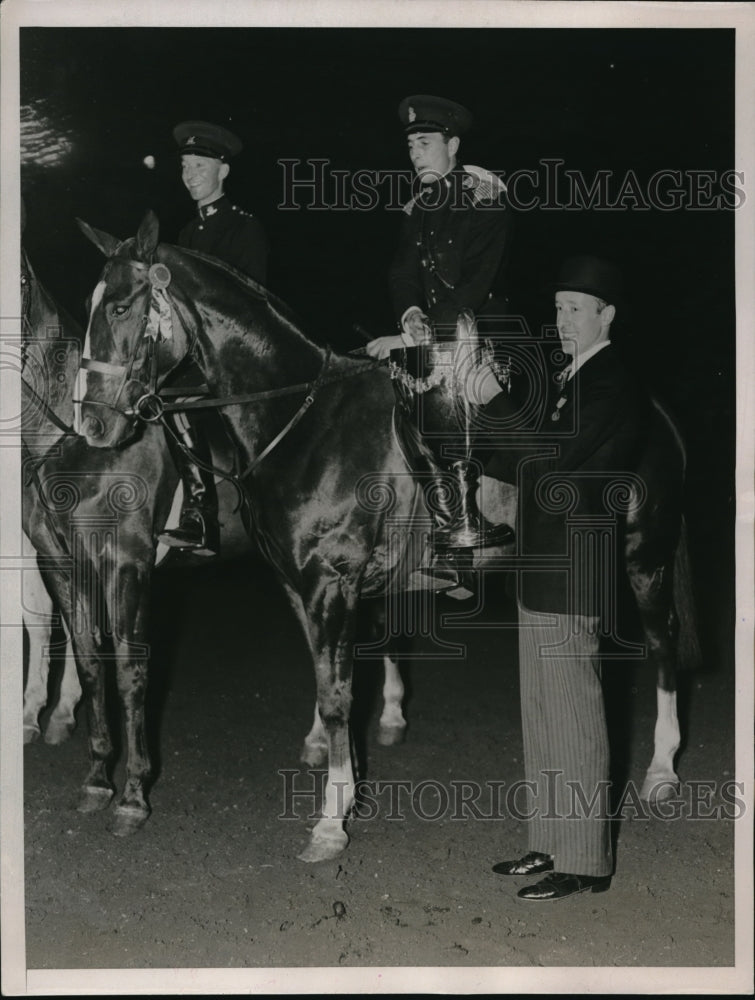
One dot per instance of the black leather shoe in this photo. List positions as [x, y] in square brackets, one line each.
[558, 885]
[533, 863]
[198, 532]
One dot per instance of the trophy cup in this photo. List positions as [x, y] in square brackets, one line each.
[442, 368]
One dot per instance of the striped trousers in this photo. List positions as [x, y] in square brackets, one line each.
[565, 741]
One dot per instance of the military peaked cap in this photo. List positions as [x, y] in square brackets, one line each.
[206, 139]
[424, 113]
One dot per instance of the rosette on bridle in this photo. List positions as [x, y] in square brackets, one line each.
[160, 316]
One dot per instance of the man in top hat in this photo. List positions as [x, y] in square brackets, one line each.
[222, 230]
[456, 231]
[592, 431]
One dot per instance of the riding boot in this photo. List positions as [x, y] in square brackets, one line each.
[198, 530]
[467, 527]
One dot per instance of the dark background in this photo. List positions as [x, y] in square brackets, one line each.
[599, 99]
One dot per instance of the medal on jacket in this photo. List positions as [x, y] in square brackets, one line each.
[556, 415]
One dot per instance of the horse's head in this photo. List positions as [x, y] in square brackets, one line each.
[134, 339]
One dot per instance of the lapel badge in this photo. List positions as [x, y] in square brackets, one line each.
[211, 210]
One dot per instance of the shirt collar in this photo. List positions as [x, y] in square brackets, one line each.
[584, 356]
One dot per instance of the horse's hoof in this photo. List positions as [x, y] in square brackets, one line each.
[660, 789]
[94, 798]
[58, 732]
[127, 820]
[31, 734]
[314, 754]
[391, 736]
[324, 848]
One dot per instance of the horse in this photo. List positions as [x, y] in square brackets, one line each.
[91, 520]
[50, 350]
[321, 472]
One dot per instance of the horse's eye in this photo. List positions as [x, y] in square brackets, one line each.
[120, 310]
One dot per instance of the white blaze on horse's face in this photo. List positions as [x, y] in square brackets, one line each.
[80, 389]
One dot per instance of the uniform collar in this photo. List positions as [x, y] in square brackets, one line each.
[453, 176]
[207, 211]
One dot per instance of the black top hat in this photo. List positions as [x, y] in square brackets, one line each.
[424, 113]
[592, 276]
[206, 139]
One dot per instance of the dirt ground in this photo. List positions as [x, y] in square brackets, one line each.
[213, 881]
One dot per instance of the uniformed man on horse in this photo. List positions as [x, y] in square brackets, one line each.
[223, 230]
[456, 232]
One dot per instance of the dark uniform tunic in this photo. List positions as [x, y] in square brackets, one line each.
[454, 241]
[225, 231]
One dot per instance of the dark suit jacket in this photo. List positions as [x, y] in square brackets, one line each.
[565, 473]
[453, 243]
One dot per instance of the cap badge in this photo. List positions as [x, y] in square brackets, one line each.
[191, 140]
[412, 115]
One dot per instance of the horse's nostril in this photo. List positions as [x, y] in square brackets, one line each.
[92, 427]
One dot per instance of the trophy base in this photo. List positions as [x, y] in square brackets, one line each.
[471, 534]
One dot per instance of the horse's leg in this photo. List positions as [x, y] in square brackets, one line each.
[329, 620]
[77, 606]
[392, 729]
[86, 634]
[131, 602]
[392, 722]
[652, 588]
[661, 780]
[392, 725]
[38, 611]
[62, 721]
[315, 750]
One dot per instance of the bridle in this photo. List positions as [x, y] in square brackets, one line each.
[151, 405]
[33, 464]
[156, 323]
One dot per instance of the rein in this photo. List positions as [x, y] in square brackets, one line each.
[151, 406]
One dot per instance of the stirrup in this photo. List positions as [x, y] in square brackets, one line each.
[194, 534]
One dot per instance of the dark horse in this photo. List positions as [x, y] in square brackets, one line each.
[318, 501]
[50, 353]
[92, 517]
[90, 521]
[99, 508]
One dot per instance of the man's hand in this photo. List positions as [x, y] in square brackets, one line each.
[381, 347]
[416, 327]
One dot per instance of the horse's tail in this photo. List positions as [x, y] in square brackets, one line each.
[689, 652]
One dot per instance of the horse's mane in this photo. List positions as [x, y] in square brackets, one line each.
[247, 283]
[127, 249]
[70, 326]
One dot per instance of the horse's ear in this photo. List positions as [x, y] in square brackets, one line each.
[103, 241]
[147, 237]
